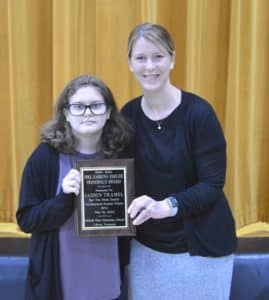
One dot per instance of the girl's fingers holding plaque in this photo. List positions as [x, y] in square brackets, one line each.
[71, 182]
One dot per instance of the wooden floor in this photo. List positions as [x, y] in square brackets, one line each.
[11, 230]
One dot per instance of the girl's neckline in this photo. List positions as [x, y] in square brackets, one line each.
[87, 155]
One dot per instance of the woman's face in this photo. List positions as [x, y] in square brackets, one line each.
[151, 65]
[89, 121]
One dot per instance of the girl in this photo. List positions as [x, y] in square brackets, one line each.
[63, 266]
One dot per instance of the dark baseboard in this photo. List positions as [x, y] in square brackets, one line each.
[253, 245]
[19, 246]
[14, 246]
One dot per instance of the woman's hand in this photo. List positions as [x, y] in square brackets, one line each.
[71, 182]
[144, 208]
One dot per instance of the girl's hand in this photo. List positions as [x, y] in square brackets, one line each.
[144, 208]
[71, 182]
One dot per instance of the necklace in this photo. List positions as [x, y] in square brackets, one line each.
[159, 124]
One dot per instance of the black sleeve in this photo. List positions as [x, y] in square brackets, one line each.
[209, 155]
[39, 208]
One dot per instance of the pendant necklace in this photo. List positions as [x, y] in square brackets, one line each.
[159, 124]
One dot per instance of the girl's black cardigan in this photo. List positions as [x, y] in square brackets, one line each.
[41, 212]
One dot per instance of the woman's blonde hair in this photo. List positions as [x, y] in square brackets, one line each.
[154, 33]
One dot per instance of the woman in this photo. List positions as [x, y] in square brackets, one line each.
[86, 125]
[185, 229]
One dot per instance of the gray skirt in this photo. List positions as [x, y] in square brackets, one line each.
[155, 275]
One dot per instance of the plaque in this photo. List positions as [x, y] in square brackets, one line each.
[107, 188]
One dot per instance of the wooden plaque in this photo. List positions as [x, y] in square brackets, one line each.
[107, 188]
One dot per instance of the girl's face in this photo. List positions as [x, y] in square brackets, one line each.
[90, 120]
[151, 65]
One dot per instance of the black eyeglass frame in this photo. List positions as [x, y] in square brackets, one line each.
[89, 106]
